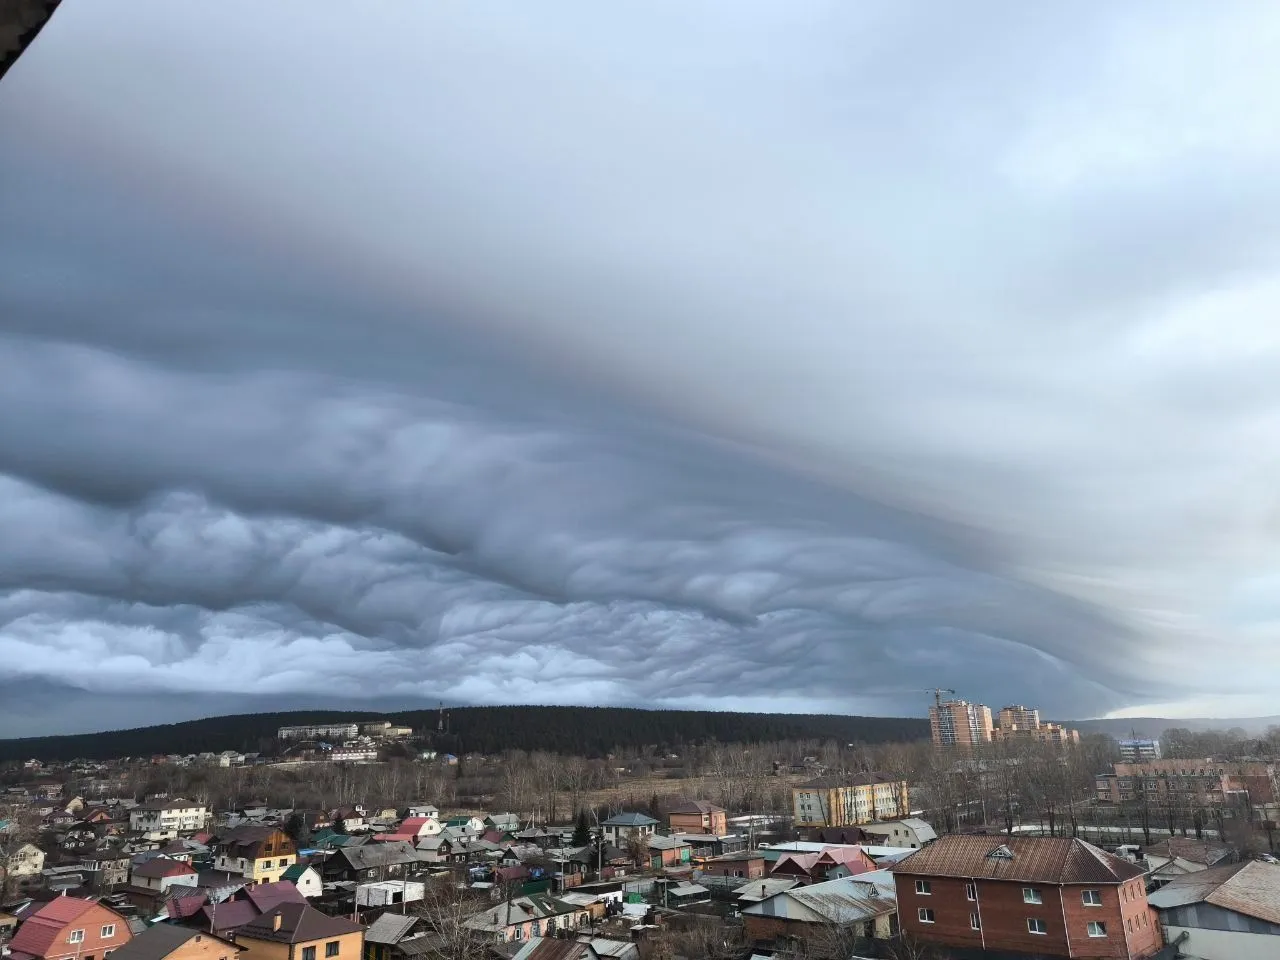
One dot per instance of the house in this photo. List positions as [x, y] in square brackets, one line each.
[503, 822]
[165, 819]
[423, 810]
[1230, 912]
[829, 864]
[862, 908]
[411, 829]
[298, 931]
[68, 928]
[761, 890]
[554, 948]
[524, 917]
[160, 873]
[466, 826]
[20, 864]
[697, 816]
[106, 868]
[911, 832]
[623, 825]
[668, 852]
[1178, 856]
[837, 801]
[350, 818]
[165, 941]
[707, 845]
[259, 853]
[383, 938]
[371, 861]
[435, 850]
[1048, 896]
[306, 878]
[748, 866]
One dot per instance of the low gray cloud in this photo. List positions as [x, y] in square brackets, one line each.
[727, 356]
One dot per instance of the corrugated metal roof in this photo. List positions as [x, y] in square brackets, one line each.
[389, 928]
[843, 901]
[1030, 859]
[1252, 889]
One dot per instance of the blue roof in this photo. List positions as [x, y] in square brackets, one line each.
[630, 820]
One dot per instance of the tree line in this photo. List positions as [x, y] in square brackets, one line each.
[590, 732]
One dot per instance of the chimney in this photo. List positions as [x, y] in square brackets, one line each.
[275, 920]
[763, 888]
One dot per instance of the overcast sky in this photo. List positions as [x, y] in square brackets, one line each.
[775, 356]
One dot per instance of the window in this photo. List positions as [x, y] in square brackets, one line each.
[267, 864]
[1091, 898]
[331, 948]
[75, 936]
[1097, 928]
[308, 953]
[924, 888]
[971, 891]
[975, 922]
[1037, 926]
[925, 914]
[108, 931]
[1128, 925]
[1031, 895]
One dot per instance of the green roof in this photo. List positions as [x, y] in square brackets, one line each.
[295, 871]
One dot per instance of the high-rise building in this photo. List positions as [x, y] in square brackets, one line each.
[1023, 718]
[959, 723]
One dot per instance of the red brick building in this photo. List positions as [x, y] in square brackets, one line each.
[68, 928]
[1047, 896]
[748, 865]
[698, 816]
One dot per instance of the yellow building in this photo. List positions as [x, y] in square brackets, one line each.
[298, 931]
[835, 801]
[260, 854]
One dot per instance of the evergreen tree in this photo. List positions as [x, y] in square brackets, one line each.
[581, 830]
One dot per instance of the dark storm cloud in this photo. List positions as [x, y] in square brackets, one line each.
[587, 356]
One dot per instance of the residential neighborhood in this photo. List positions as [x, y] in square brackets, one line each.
[952, 850]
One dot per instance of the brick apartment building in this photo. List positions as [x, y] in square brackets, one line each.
[1020, 896]
[1252, 783]
[698, 817]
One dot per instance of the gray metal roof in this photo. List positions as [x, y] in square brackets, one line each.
[1252, 889]
[630, 820]
[843, 901]
[389, 928]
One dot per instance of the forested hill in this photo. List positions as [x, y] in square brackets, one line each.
[586, 731]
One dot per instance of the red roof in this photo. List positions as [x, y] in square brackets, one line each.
[1030, 859]
[41, 930]
[268, 896]
[158, 867]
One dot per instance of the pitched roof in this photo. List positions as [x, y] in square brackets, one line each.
[299, 923]
[630, 820]
[1251, 888]
[553, 948]
[1206, 852]
[844, 901]
[1029, 859]
[42, 928]
[390, 928]
[296, 871]
[377, 854]
[696, 807]
[265, 896]
[158, 867]
[158, 941]
[230, 915]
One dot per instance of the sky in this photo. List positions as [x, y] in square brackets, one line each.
[725, 355]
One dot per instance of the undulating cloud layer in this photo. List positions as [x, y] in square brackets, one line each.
[791, 357]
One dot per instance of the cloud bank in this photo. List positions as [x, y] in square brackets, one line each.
[737, 357]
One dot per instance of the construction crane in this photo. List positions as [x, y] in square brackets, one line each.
[937, 695]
